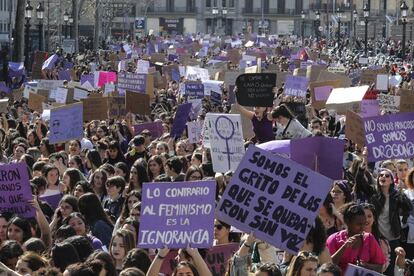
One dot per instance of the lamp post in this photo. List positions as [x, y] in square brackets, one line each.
[366, 15]
[318, 23]
[339, 15]
[303, 16]
[404, 9]
[214, 11]
[27, 15]
[66, 20]
[40, 14]
[355, 14]
[70, 26]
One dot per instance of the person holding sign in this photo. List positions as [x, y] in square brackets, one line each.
[288, 126]
[353, 245]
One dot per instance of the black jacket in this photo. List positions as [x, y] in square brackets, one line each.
[400, 205]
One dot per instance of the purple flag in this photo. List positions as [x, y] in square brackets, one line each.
[154, 127]
[175, 75]
[389, 136]
[50, 62]
[16, 69]
[177, 214]
[180, 119]
[88, 78]
[280, 210]
[281, 147]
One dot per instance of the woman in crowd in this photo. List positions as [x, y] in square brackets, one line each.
[77, 221]
[155, 167]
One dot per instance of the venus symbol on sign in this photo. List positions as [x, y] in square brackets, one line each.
[225, 130]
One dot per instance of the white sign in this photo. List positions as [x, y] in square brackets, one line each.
[382, 82]
[196, 73]
[285, 27]
[79, 94]
[205, 132]
[194, 131]
[226, 141]
[49, 84]
[212, 85]
[142, 66]
[61, 95]
[389, 103]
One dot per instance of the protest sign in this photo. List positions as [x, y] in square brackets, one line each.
[382, 82]
[389, 136]
[194, 90]
[320, 91]
[180, 119]
[194, 131]
[137, 103]
[4, 103]
[212, 86]
[53, 200]
[66, 123]
[406, 100]
[196, 73]
[155, 128]
[321, 154]
[353, 270]
[226, 141]
[354, 129]
[38, 59]
[246, 122]
[369, 76]
[142, 66]
[256, 89]
[95, 108]
[296, 86]
[35, 102]
[389, 103]
[49, 84]
[282, 209]
[369, 108]
[79, 94]
[116, 106]
[343, 99]
[132, 82]
[205, 133]
[15, 190]
[177, 214]
[61, 94]
[105, 77]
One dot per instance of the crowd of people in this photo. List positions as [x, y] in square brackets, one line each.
[366, 219]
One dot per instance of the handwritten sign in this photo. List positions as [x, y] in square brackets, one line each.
[194, 90]
[390, 136]
[194, 130]
[196, 73]
[256, 89]
[389, 103]
[296, 86]
[180, 119]
[95, 108]
[66, 123]
[226, 140]
[132, 82]
[15, 190]
[279, 210]
[177, 214]
[154, 127]
[382, 82]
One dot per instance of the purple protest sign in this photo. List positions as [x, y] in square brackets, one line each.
[66, 123]
[133, 82]
[53, 200]
[321, 154]
[154, 127]
[281, 147]
[87, 78]
[275, 198]
[15, 190]
[390, 136]
[369, 108]
[180, 119]
[194, 90]
[296, 86]
[64, 75]
[322, 92]
[177, 214]
[353, 270]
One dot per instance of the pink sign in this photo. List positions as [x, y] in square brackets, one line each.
[106, 77]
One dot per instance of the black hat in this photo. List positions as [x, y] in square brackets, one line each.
[138, 140]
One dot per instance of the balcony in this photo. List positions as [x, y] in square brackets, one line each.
[330, 7]
[271, 12]
[181, 10]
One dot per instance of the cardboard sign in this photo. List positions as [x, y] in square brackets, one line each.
[66, 123]
[281, 212]
[354, 129]
[406, 100]
[4, 103]
[353, 270]
[15, 190]
[369, 76]
[137, 103]
[155, 128]
[296, 86]
[132, 82]
[194, 90]
[389, 103]
[389, 136]
[35, 102]
[79, 94]
[324, 75]
[196, 73]
[343, 99]
[95, 108]
[320, 92]
[49, 84]
[194, 130]
[177, 214]
[226, 140]
[116, 106]
[256, 89]
[180, 119]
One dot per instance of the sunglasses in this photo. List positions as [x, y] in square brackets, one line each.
[218, 226]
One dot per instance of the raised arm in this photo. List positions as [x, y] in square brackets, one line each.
[199, 263]
[46, 236]
[156, 264]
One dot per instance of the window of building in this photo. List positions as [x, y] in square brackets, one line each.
[170, 5]
[298, 6]
[208, 3]
[281, 7]
[249, 6]
[265, 6]
[190, 6]
[231, 3]
[224, 3]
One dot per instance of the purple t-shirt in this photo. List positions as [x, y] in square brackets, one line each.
[263, 129]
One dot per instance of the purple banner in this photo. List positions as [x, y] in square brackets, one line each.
[15, 190]
[133, 82]
[296, 86]
[273, 197]
[180, 119]
[155, 128]
[194, 90]
[353, 270]
[177, 214]
[88, 78]
[390, 136]
[53, 200]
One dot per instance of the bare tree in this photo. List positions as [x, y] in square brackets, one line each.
[18, 51]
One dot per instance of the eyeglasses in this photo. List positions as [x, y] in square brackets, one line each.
[218, 226]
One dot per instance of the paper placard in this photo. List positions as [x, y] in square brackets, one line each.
[355, 128]
[256, 89]
[79, 94]
[389, 103]
[95, 108]
[137, 103]
[382, 82]
[343, 99]
[35, 102]
[66, 123]
[61, 95]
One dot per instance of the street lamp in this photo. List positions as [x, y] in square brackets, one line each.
[318, 23]
[40, 15]
[70, 26]
[366, 16]
[66, 20]
[27, 15]
[404, 9]
[355, 15]
[339, 15]
[303, 16]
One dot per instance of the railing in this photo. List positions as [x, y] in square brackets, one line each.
[330, 6]
[157, 9]
[274, 11]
